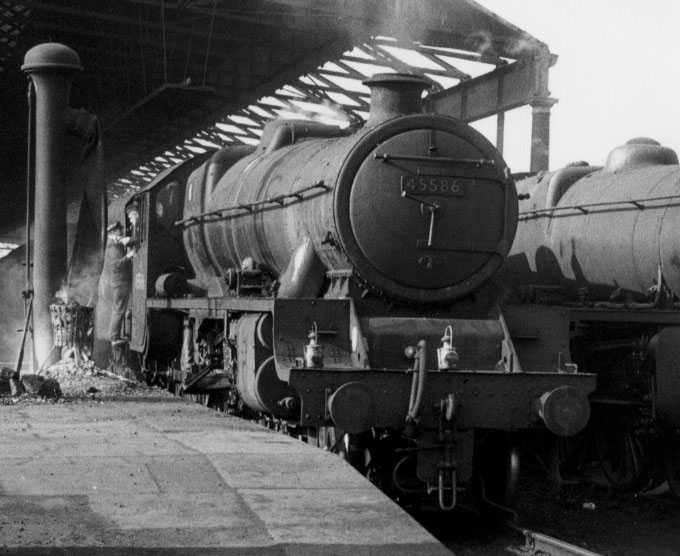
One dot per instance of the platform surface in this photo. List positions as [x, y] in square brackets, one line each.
[166, 476]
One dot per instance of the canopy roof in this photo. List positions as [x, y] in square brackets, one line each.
[161, 73]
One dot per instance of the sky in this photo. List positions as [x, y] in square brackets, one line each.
[617, 76]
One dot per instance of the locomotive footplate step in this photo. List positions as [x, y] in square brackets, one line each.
[151, 477]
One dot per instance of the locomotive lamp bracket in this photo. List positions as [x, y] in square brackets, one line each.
[313, 351]
[335, 330]
[447, 355]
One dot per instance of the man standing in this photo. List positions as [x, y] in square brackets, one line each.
[115, 284]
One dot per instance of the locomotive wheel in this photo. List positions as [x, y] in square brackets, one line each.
[671, 460]
[621, 457]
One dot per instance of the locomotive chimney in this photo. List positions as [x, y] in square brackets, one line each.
[50, 67]
[394, 94]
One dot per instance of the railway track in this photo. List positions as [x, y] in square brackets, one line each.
[538, 544]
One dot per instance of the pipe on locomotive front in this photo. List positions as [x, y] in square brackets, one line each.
[50, 66]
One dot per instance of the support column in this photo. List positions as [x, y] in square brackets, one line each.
[500, 132]
[540, 133]
[50, 66]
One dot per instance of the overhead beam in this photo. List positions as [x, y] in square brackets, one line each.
[502, 89]
[522, 83]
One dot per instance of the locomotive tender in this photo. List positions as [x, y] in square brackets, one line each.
[594, 273]
[340, 285]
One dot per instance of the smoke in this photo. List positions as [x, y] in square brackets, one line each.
[81, 284]
[522, 47]
[360, 19]
[482, 43]
[324, 111]
[333, 111]
[409, 20]
[404, 19]
[85, 242]
[12, 282]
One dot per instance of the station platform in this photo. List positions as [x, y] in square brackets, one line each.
[165, 476]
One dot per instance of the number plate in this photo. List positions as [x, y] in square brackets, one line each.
[447, 186]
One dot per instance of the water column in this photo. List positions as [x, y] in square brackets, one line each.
[50, 66]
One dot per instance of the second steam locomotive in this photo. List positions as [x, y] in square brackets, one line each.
[594, 273]
[340, 285]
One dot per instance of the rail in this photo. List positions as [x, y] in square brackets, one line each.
[538, 544]
[278, 200]
[586, 208]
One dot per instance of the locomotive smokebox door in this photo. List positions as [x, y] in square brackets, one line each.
[425, 208]
[419, 221]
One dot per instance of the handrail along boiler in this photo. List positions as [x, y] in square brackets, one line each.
[340, 284]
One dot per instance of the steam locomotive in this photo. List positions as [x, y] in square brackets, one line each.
[594, 275]
[341, 285]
